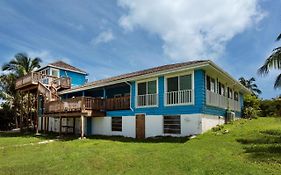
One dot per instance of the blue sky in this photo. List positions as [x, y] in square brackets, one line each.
[108, 38]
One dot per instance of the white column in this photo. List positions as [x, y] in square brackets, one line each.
[82, 127]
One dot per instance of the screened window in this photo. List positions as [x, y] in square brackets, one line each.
[147, 88]
[116, 123]
[211, 84]
[222, 90]
[236, 96]
[229, 93]
[179, 83]
[172, 124]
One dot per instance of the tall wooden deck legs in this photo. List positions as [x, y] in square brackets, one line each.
[60, 125]
[82, 127]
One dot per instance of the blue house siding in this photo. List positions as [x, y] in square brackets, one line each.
[199, 90]
[77, 79]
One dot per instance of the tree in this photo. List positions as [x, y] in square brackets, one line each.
[19, 66]
[273, 62]
[22, 64]
[250, 85]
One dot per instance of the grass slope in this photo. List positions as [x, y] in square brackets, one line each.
[250, 147]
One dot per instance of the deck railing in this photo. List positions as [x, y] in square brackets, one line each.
[217, 100]
[80, 104]
[147, 100]
[119, 103]
[179, 97]
[35, 77]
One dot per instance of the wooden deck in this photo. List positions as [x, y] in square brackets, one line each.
[32, 79]
[86, 106]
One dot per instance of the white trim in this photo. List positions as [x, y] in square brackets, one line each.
[178, 75]
[51, 66]
[136, 92]
[51, 72]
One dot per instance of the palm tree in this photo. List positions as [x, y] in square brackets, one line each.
[19, 66]
[273, 62]
[250, 85]
[22, 64]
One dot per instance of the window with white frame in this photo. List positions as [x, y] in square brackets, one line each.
[116, 123]
[172, 124]
[179, 90]
[211, 84]
[55, 72]
[147, 93]
[229, 92]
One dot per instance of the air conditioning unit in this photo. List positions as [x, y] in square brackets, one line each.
[230, 116]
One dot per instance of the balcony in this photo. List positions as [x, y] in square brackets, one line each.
[147, 100]
[33, 78]
[87, 106]
[217, 100]
[181, 97]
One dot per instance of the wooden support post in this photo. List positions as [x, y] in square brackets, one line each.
[28, 109]
[36, 113]
[82, 126]
[21, 113]
[74, 125]
[60, 124]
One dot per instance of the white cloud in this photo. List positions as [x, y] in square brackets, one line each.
[103, 37]
[191, 29]
[47, 57]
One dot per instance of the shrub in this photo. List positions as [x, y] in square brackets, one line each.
[251, 106]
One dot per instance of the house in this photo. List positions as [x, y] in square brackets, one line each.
[172, 100]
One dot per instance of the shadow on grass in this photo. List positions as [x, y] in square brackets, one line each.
[265, 147]
[160, 139]
[70, 137]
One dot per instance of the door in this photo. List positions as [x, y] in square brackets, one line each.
[140, 126]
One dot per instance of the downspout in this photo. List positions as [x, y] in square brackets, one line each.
[130, 95]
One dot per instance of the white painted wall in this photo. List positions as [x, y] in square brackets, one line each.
[153, 125]
[210, 121]
[102, 126]
[191, 124]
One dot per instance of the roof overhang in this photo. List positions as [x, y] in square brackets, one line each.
[203, 65]
[135, 78]
[41, 68]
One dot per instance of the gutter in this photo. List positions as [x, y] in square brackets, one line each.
[130, 95]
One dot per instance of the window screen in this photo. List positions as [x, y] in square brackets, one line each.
[116, 123]
[172, 124]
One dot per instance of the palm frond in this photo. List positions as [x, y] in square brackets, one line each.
[279, 37]
[277, 83]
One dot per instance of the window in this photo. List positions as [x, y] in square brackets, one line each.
[229, 93]
[147, 93]
[116, 123]
[179, 83]
[147, 88]
[55, 72]
[172, 124]
[235, 96]
[222, 90]
[211, 84]
[179, 90]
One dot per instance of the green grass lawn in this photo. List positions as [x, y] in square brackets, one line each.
[249, 147]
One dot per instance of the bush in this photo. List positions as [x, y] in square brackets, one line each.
[271, 108]
[251, 106]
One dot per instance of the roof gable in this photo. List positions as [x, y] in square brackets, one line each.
[65, 66]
